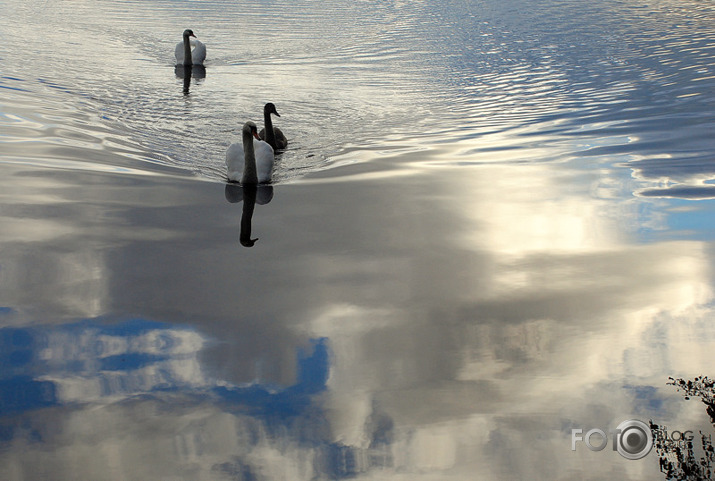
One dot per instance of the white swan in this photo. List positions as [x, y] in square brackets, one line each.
[270, 134]
[252, 162]
[184, 54]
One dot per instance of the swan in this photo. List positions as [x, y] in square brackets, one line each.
[270, 134]
[184, 54]
[252, 162]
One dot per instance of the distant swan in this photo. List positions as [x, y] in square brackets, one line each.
[184, 54]
[252, 162]
[270, 134]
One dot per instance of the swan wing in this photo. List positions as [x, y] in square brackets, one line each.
[264, 160]
[281, 140]
[179, 52]
[198, 54]
[265, 194]
[234, 162]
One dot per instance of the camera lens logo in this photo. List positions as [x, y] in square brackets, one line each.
[634, 439]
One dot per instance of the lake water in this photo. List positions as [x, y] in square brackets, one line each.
[493, 225]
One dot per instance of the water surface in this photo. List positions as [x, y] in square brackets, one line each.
[492, 226]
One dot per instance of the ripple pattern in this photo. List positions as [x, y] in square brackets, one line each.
[475, 81]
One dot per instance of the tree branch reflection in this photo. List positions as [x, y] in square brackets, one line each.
[678, 456]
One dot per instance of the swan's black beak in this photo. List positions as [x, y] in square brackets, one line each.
[276, 113]
[192, 35]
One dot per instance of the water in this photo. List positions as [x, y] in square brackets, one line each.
[493, 225]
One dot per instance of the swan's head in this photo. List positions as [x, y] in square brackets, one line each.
[248, 242]
[250, 129]
[189, 33]
[269, 108]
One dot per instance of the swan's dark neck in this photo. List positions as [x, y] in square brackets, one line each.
[249, 203]
[250, 173]
[187, 50]
[270, 133]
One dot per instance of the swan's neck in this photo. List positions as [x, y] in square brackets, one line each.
[250, 174]
[270, 134]
[187, 50]
[249, 203]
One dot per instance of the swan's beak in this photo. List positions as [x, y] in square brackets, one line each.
[249, 242]
[276, 113]
[192, 35]
[255, 134]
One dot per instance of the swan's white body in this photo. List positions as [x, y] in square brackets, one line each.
[198, 52]
[242, 157]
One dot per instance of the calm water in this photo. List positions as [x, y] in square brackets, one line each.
[493, 225]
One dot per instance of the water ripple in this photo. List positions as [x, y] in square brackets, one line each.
[551, 82]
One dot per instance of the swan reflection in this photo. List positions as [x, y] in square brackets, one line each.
[187, 72]
[250, 194]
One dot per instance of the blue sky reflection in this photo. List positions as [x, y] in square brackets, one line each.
[88, 361]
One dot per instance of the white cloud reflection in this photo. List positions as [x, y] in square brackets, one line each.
[474, 316]
[466, 357]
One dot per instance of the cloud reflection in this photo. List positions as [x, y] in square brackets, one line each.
[143, 376]
[462, 331]
[90, 362]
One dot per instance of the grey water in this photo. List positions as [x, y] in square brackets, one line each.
[493, 226]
